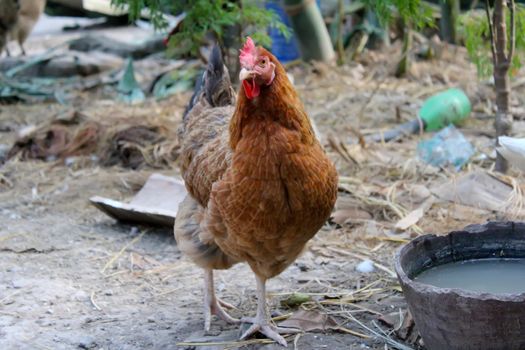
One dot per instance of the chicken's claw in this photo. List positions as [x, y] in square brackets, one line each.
[270, 331]
[215, 307]
[226, 305]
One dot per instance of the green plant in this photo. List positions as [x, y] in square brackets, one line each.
[417, 13]
[414, 14]
[155, 7]
[224, 19]
[474, 28]
[497, 45]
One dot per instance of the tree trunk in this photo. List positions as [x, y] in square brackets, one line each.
[404, 64]
[340, 47]
[449, 18]
[310, 30]
[502, 59]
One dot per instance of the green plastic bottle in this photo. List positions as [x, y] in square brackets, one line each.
[448, 107]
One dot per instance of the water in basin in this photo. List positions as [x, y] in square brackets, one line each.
[482, 275]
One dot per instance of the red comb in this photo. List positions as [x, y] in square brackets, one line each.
[248, 53]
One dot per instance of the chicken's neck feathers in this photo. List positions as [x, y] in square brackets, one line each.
[278, 102]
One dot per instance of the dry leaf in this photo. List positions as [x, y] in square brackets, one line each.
[418, 193]
[344, 202]
[141, 262]
[428, 203]
[467, 214]
[350, 214]
[411, 219]
[391, 319]
[310, 321]
[404, 330]
[371, 229]
[338, 146]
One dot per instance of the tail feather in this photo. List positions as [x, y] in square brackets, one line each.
[214, 84]
[196, 94]
[217, 85]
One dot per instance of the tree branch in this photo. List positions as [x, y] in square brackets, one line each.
[512, 8]
[491, 32]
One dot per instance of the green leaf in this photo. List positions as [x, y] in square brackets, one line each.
[204, 17]
[128, 88]
[174, 82]
[473, 26]
[416, 13]
[295, 300]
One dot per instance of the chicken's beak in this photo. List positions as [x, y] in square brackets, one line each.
[246, 74]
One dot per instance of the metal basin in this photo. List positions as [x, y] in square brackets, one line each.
[449, 319]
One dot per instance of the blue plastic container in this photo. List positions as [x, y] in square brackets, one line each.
[285, 50]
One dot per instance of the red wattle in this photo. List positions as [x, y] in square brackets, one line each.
[251, 90]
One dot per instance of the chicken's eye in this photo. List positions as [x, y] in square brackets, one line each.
[263, 62]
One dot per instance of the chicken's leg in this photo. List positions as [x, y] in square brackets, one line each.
[212, 304]
[261, 322]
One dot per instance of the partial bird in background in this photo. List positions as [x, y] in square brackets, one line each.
[260, 184]
[513, 150]
[28, 14]
[8, 17]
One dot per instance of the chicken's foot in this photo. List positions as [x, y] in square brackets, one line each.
[261, 322]
[212, 304]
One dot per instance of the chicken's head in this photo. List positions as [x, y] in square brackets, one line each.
[256, 69]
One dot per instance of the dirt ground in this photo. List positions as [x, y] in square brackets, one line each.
[71, 277]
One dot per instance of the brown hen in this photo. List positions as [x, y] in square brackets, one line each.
[8, 17]
[260, 185]
[29, 13]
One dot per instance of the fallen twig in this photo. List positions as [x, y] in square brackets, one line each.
[92, 299]
[116, 256]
